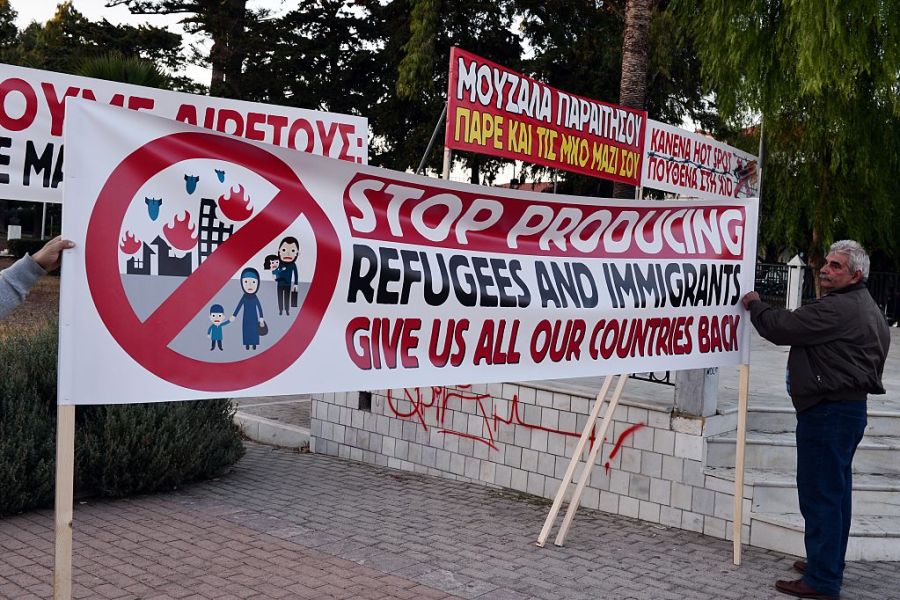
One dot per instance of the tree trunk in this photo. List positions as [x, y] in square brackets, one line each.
[227, 23]
[635, 54]
[476, 170]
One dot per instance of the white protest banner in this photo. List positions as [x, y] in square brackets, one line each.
[697, 166]
[339, 276]
[32, 114]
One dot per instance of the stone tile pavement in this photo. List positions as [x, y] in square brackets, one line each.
[289, 525]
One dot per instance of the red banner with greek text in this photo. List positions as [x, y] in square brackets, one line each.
[494, 110]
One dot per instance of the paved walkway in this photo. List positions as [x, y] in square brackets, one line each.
[291, 525]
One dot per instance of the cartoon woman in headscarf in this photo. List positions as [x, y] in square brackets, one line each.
[252, 319]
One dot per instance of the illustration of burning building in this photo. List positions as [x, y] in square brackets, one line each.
[167, 263]
[212, 230]
[140, 265]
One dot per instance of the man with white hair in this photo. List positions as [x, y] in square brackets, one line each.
[838, 347]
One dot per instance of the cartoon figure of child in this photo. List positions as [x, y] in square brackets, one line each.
[270, 263]
[214, 333]
[288, 251]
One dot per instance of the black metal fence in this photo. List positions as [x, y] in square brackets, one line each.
[885, 288]
[771, 283]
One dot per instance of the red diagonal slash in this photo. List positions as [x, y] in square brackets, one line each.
[147, 341]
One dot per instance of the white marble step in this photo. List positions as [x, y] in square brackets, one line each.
[872, 537]
[776, 491]
[778, 451]
[778, 419]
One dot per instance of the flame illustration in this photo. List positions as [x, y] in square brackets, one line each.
[130, 244]
[180, 233]
[236, 206]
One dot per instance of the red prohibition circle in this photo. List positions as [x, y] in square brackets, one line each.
[148, 341]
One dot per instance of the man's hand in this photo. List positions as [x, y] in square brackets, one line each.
[748, 298]
[49, 257]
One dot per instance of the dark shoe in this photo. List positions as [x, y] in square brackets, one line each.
[799, 589]
[800, 566]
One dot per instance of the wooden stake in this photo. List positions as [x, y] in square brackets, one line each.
[589, 464]
[743, 393]
[65, 474]
[573, 463]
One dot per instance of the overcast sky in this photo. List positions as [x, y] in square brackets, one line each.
[42, 10]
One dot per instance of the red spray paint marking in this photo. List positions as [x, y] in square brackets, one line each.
[440, 397]
[514, 416]
[620, 441]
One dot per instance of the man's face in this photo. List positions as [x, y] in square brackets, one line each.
[836, 274]
[288, 252]
[216, 317]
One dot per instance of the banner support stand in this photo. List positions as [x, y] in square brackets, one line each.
[437, 127]
[589, 464]
[65, 475]
[573, 463]
[43, 220]
[448, 157]
[576, 458]
[740, 443]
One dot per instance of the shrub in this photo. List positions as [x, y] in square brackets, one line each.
[120, 449]
[129, 449]
[21, 247]
[27, 419]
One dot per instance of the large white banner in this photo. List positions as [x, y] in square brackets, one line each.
[697, 166]
[32, 116]
[210, 266]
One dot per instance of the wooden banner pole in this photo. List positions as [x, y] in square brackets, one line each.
[448, 159]
[743, 393]
[65, 475]
[573, 463]
[589, 464]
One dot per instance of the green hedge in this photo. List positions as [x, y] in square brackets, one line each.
[21, 247]
[119, 449]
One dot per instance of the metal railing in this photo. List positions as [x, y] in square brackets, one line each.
[771, 283]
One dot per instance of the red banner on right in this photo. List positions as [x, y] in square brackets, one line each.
[493, 110]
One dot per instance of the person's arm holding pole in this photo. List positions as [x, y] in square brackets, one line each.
[17, 280]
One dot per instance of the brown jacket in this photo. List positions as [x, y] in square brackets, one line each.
[838, 345]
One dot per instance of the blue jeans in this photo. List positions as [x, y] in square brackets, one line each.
[827, 437]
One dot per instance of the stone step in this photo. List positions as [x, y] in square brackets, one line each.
[776, 491]
[875, 455]
[775, 420]
[872, 537]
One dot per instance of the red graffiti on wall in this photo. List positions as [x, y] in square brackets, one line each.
[435, 398]
[619, 442]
